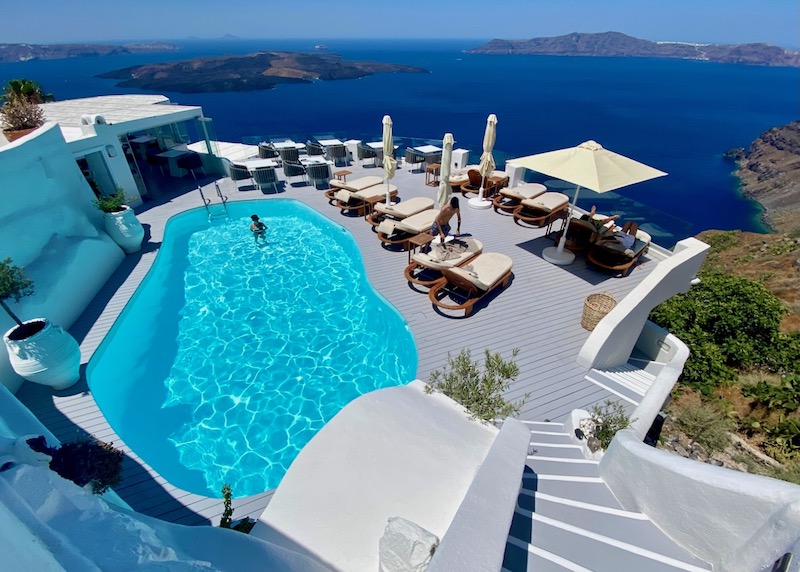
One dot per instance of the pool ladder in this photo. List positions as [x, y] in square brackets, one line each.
[223, 200]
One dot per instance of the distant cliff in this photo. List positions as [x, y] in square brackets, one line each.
[262, 70]
[770, 173]
[24, 52]
[621, 45]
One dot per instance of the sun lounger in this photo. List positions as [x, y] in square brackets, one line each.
[353, 186]
[400, 231]
[399, 211]
[356, 202]
[464, 286]
[543, 210]
[426, 268]
[612, 255]
[509, 198]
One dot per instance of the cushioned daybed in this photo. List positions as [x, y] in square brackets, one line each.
[616, 256]
[426, 268]
[509, 198]
[399, 211]
[463, 287]
[400, 231]
[542, 210]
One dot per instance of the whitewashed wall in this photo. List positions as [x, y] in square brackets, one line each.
[49, 226]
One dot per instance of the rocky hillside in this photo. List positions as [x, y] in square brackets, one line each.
[621, 45]
[262, 70]
[25, 52]
[770, 173]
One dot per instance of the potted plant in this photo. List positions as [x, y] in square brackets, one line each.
[38, 350]
[20, 112]
[121, 223]
[86, 462]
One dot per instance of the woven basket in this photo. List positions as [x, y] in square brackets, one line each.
[595, 307]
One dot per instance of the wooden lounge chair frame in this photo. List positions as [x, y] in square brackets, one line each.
[401, 238]
[540, 217]
[358, 205]
[437, 276]
[614, 260]
[453, 282]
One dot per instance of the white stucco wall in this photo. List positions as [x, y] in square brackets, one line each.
[392, 452]
[613, 339]
[735, 521]
[49, 226]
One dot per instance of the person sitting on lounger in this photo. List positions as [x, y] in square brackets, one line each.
[598, 222]
[441, 225]
[258, 228]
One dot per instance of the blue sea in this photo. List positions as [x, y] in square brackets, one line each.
[678, 116]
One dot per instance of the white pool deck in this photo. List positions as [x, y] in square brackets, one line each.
[539, 313]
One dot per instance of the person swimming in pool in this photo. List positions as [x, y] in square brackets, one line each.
[258, 228]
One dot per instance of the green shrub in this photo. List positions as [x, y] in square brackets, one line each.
[727, 322]
[721, 240]
[110, 203]
[606, 420]
[783, 397]
[85, 461]
[14, 285]
[705, 423]
[480, 391]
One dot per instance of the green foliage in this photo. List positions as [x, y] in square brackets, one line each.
[783, 397]
[480, 391]
[727, 322]
[227, 511]
[607, 419]
[783, 440]
[722, 240]
[25, 90]
[85, 461]
[110, 203]
[705, 423]
[21, 115]
[14, 285]
[226, 520]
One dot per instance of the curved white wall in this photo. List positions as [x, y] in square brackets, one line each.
[49, 226]
[613, 339]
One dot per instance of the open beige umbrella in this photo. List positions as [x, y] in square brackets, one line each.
[487, 162]
[587, 165]
[389, 162]
[444, 174]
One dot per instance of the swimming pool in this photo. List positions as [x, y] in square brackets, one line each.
[231, 356]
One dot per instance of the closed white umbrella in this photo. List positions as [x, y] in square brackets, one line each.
[487, 162]
[389, 162]
[444, 181]
[587, 165]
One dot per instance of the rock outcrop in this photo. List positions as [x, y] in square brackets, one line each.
[769, 172]
[622, 45]
[25, 52]
[252, 72]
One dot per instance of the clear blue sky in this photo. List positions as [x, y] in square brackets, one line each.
[712, 21]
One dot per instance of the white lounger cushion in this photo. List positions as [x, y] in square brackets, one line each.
[524, 191]
[387, 227]
[343, 196]
[449, 254]
[375, 191]
[420, 222]
[406, 208]
[358, 184]
[485, 270]
[547, 201]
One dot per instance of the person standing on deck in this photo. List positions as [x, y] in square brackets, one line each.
[441, 225]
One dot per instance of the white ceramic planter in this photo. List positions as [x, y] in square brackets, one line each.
[50, 357]
[125, 229]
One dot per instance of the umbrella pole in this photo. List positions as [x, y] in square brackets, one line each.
[563, 240]
[483, 187]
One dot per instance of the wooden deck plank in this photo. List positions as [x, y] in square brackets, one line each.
[539, 313]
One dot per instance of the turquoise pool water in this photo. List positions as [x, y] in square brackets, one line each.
[231, 356]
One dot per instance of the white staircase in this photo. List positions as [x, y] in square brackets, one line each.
[567, 519]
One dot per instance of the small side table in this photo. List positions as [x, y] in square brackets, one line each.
[342, 175]
[418, 241]
[432, 174]
[369, 204]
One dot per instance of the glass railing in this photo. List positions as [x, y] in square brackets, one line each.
[665, 229]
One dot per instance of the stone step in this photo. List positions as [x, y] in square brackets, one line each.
[545, 464]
